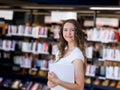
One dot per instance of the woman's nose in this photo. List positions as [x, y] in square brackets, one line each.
[69, 32]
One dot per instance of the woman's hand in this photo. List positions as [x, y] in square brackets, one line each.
[53, 78]
[51, 84]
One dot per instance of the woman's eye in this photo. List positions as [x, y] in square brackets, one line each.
[73, 30]
[65, 30]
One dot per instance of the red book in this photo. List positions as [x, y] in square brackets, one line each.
[117, 36]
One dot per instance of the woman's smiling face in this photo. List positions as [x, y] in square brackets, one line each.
[69, 32]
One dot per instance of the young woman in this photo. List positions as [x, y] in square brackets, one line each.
[71, 51]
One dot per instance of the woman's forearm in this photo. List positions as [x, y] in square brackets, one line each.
[70, 86]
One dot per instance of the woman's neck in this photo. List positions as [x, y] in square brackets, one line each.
[71, 46]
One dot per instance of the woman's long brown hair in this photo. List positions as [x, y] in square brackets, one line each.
[79, 37]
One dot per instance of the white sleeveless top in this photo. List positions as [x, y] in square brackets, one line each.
[75, 54]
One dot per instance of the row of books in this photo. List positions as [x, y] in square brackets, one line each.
[105, 53]
[31, 62]
[5, 55]
[42, 48]
[35, 32]
[111, 54]
[22, 85]
[8, 45]
[34, 46]
[103, 35]
[109, 72]
[106, 82]
[113, 72]
[22, 30]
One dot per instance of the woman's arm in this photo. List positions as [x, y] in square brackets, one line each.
[79, 77]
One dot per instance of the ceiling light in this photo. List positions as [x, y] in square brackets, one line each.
[104, 8]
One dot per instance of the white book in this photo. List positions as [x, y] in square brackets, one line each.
[65, 72]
